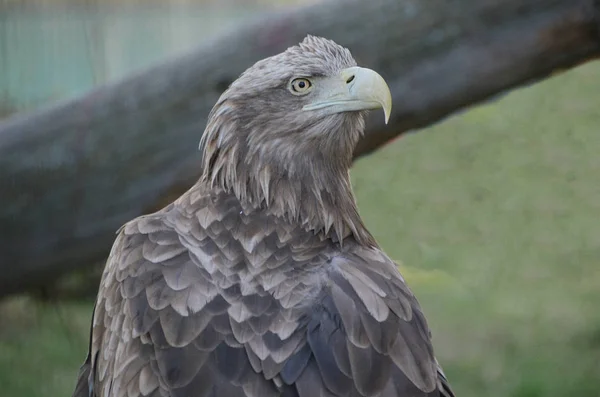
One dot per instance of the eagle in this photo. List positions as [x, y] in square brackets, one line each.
[262, 280]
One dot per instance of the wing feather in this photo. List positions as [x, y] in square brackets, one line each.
[206, 299]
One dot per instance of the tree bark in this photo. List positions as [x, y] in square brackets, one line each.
[73, 173]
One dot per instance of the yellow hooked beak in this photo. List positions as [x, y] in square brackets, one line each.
[354, 89]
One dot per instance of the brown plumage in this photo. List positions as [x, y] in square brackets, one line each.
[262, 280]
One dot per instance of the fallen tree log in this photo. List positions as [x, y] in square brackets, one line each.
[72, 173]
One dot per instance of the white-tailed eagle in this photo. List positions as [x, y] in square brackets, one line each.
[262, 280]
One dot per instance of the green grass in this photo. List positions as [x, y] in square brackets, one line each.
[41, 347]
[495, 217]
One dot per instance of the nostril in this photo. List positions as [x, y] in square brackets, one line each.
[350, 79]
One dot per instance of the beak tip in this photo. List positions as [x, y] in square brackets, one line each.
[387, 112]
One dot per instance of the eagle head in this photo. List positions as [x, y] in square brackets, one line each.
[289, 125]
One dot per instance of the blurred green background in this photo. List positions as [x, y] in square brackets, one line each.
[494, 214]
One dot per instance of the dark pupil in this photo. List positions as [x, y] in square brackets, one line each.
[301, 84]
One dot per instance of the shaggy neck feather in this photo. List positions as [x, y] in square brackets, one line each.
[307, 183]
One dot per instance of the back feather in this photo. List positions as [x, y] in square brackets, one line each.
[208, 299]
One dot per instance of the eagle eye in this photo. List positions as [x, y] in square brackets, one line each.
[300, 86]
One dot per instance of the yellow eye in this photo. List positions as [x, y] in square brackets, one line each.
[300, 86]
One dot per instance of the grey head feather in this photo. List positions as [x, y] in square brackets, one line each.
[260, 145]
